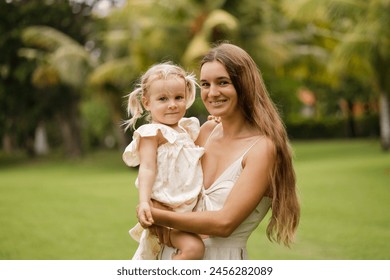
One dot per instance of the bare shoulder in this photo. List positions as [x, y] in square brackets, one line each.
[205, 131]
[263, 151]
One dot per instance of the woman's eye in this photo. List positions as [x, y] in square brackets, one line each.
[204, 84]
[222, 83]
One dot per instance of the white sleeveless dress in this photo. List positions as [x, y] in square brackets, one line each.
[213, 198]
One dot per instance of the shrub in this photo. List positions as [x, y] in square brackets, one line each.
[331, 127]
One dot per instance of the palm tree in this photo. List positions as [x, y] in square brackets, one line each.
[357, 33]
[141, 34]
[62, 63]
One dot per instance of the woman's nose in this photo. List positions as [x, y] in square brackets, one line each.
[213, 90]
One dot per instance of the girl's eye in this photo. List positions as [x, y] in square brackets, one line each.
[162, 98]
[179, 97]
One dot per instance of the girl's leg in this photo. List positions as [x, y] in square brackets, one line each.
[190, 246]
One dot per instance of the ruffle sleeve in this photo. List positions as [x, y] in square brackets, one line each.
[191, 126]
[131, 155]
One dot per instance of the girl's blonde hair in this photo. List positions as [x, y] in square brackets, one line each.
[259, 110]
[162, 71]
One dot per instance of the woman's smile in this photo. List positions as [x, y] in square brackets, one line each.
[217, 102]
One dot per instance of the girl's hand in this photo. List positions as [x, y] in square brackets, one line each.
[214, 118]
[144, 215]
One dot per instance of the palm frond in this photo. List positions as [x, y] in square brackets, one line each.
[200, 43]
[46, 37]
[72, 63]
[119, 73]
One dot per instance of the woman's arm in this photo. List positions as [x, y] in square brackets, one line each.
[246, 194]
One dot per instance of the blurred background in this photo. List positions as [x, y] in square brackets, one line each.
[66, 66]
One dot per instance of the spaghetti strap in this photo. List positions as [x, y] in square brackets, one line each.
[212, 132]
[250, 147]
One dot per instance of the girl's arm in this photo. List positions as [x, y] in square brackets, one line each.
[146, 177]
[246, 194]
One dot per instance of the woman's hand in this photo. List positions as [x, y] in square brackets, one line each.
[163, 234]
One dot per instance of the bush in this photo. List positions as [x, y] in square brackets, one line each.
[332, 127]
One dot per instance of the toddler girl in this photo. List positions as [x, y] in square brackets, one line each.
[169, 161]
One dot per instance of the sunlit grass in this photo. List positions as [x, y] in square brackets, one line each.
[67, 210]
[344, 188]
[59, 209]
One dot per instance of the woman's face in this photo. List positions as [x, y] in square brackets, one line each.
[217, 90]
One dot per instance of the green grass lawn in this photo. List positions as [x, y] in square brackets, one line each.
[62, 209]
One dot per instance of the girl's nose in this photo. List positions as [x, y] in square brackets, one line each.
[172, 105]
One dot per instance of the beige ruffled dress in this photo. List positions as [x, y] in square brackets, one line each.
[179, 176]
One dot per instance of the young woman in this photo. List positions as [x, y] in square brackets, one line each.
[247, 165]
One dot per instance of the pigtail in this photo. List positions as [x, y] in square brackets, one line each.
[134, 108]
[191, 84]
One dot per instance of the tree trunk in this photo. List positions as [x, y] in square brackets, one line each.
[120, 135]
[41, 146]
[71, 132]
[7, 143]
[351, 120]
[384, 119]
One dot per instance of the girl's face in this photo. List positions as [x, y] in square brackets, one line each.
[217, 90]
[166, 101]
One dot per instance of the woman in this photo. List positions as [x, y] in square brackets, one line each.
[247, 165]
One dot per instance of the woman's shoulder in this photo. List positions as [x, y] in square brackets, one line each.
[263, 147]
[205, 131]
